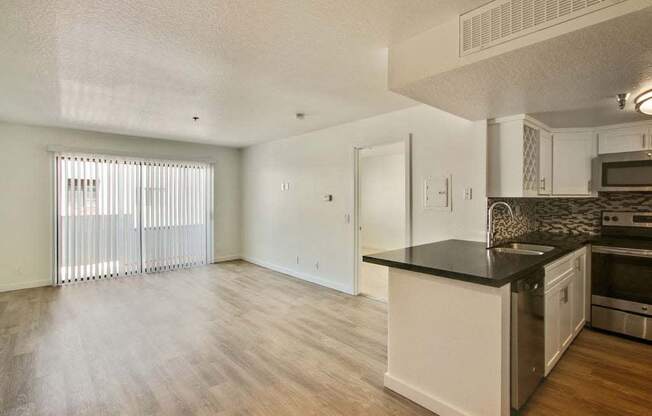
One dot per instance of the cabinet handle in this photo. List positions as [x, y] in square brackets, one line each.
[588, 186]
[543, 184]
[564, 298]
[644, 141]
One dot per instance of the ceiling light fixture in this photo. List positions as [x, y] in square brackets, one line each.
[622, 100]
[643, 103]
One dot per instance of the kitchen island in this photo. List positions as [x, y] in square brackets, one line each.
[449, 309]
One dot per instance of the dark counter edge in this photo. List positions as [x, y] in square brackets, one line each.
[558, 253]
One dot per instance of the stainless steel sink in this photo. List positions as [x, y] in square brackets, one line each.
[523, 249]
[526, 246]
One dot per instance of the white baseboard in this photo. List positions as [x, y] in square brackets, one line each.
[300, 275]
[25, 285]
[231, 257]
[422, 398]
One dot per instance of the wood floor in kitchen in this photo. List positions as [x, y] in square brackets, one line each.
[237, 339]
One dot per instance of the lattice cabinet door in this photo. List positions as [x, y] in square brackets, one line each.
[531, 137]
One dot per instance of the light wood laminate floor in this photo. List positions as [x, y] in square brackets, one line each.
[237, 339]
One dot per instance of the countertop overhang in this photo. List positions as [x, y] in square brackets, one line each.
[470, 261]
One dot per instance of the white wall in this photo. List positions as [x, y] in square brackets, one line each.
[280, 225]
[25, 186]
[382, 200]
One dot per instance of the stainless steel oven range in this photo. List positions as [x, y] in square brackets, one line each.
[621, 277]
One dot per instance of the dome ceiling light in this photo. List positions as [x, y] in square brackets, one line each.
[643, 103]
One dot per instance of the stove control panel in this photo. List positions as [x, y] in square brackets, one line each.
[627, 219]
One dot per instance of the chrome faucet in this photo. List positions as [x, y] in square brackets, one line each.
[490, 220]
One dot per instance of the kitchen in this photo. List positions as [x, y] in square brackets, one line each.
[569, 245]
[568, 241]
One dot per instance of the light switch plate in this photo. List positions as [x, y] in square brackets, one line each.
[468, 193]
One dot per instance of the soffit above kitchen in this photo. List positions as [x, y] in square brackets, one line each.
[576, 66]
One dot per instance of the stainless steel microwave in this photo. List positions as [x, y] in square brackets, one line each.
[618, 172]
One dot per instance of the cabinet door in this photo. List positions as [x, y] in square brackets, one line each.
[579, 294]
[566, 313]
[531, 160]
[572, 154]
[625, 139]
[545, 163]
[553, 343]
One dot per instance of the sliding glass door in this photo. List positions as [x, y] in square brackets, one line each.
[125, 216]
[175, 232]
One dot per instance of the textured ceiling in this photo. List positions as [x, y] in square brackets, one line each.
[244, 67]
[567, 81]
[604, 114]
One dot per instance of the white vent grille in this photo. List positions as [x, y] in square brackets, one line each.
[503, 20]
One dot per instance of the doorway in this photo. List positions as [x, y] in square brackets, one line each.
[383, 210]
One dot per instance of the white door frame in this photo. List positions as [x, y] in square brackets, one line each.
[356, 201]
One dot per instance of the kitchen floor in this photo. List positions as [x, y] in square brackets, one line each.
[238, 339]
[600, 374]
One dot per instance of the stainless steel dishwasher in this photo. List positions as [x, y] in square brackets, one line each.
[527, 338]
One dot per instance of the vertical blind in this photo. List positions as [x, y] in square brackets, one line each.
[125, 216]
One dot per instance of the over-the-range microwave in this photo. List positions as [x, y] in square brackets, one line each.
[618, 172]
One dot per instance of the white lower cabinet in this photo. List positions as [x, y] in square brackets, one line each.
[579, 292]
[558, 324]
[564, 303]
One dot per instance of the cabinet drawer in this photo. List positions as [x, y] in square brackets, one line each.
[558, 270]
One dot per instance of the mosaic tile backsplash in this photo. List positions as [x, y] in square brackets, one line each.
[564, 215]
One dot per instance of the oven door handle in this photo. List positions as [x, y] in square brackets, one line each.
[632, 252]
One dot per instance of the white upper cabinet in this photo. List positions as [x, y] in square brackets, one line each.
[624, 139]
[545, 162]
[572, 154]
[526, 158]
[515, 157]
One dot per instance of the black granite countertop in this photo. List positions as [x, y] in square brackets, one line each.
[472, 262]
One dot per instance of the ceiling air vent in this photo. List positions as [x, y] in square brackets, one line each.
[503, 20]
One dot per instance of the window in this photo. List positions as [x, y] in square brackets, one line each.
[120, 217]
